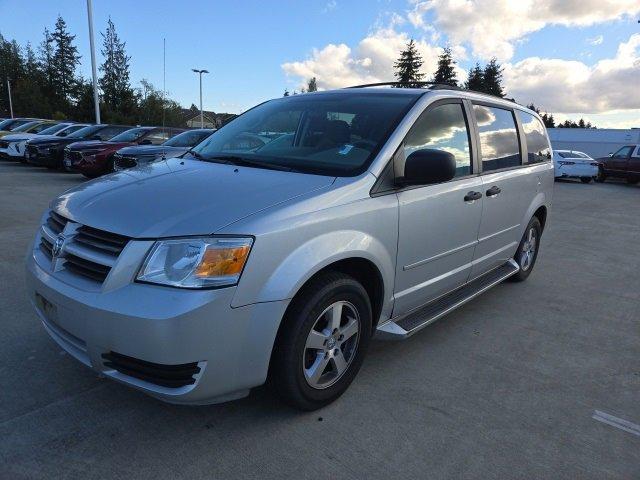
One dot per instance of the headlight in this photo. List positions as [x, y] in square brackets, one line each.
[196, 262]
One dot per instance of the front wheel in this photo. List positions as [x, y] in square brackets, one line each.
[601, 176]
[322, 342]
[527, 252]
[585, 179]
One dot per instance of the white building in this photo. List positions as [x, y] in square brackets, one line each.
[597, 142]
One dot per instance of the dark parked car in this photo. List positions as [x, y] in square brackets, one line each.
[95, 158]
[49, 152]
[625, 163]
[134, 156]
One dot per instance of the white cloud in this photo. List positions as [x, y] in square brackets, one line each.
[492, 27]
[572, 86]
[371, 61]
[330, 6]
[597, 40]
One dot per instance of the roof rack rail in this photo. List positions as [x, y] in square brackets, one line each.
[430, 86]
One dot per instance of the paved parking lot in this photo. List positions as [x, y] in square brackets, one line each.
[503, 388]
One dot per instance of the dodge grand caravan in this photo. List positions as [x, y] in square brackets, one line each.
[275, 249]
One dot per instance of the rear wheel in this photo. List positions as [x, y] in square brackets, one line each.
[601, 177]
[527, 252]
[322, 342]
[585, 179]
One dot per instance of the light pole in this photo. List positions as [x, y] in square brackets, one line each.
[201, 112]
[10, 101]
[96, 102]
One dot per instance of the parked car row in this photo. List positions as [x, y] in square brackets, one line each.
[624, 163]
[91, 150]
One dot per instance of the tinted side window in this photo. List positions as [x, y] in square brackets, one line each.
[623, 152]
[159, 136]
[442, 128]
[499, 146]
[538, 148]
[109, 132]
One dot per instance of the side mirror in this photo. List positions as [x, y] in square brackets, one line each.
[611, 154]
[428, 166]
[146, 141]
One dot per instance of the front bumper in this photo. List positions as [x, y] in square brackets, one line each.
[14, 151]
[168, 326]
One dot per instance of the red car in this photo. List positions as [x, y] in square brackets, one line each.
[95, 158]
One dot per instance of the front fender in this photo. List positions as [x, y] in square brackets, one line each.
[314, 255]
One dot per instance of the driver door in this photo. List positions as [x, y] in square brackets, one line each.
[438, 224]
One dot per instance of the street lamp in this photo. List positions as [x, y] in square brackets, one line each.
[201, 112]
[10, 101]
[96, 101]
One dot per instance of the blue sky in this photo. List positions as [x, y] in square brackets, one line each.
[254, 50]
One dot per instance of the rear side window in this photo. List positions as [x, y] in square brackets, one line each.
[538, 148]
[624, 152]
[442, 128]
[499, 147]
[159, 136]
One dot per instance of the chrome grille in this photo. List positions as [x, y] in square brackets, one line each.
[87, 252]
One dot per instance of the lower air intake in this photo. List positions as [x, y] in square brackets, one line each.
[170, 376]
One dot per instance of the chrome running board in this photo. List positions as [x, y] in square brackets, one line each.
[403, 327]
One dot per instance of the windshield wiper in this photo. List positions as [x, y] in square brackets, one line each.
[249, 162]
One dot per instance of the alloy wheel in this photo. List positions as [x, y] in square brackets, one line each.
[331, 345]
[528, 252]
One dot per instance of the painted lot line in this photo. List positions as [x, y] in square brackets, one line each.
[616, 422]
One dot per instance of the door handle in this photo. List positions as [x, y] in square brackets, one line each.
[472, 196]
[493, 191]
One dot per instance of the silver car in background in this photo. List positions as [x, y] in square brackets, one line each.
[277, 248]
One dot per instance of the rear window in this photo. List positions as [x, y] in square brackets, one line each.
[499, 147]
[188, 139]
[538, 148]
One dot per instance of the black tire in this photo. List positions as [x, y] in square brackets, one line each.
[525, 271]
[586, 179]
[601, 177]
[633, 180]
[286, 376]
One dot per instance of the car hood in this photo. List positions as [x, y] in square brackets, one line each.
[17, 137]
[180, 197]
[151, 150]
[40, 139]
[97, 144]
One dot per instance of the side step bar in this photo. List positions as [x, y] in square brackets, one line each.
[403, 327]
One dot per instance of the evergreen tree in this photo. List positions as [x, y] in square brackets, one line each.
[551, 123]
[119, 98]
[408, 67]
[492, 75]
[475, 79]
[445, 73]
[64, 63]
[12, 69]
[312, 85]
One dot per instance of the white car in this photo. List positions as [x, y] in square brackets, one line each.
[574, 164]
[13, 146]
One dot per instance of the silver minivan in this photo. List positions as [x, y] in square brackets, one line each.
[274, 250]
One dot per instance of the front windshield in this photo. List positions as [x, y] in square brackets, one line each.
[85, 132]
[188, 139]
[54, 129]
[24, 127]
[327, 134]
[130, 135]
[8, 123]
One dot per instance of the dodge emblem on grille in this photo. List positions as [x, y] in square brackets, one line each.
[57, 246]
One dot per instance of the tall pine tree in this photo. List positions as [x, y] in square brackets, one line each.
[312, 85]
[64, 63]
[475, 79]
[408, 67]
[493, 78]
[445, 72]
[117, 94]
